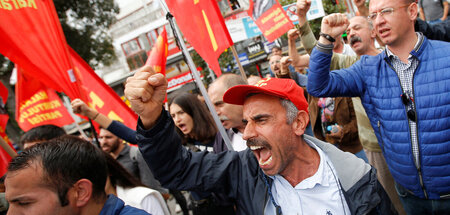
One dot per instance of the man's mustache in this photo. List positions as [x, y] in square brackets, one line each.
[355, 39]
[258, 142]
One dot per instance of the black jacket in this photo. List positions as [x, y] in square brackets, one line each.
[237, 174]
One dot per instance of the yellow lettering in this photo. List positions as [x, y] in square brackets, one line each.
[15, 4]
[22, 3]
[196, 1]
[6, 5]
[210, 32]
[32, 4]
[112, 115]
[96, 101]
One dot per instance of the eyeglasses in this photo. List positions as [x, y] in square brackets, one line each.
[384, 12]
[406, 99]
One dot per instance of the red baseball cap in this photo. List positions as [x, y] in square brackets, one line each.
[279, 87]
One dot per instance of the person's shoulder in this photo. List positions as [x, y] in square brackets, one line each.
[128, 210]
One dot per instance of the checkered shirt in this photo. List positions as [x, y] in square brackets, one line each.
[405, 72]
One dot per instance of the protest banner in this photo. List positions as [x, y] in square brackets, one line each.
[270, 18]
[37, 104]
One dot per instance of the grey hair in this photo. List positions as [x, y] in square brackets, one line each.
[291, 110]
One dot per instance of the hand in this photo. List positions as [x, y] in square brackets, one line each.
[79, 107]
[293, 34]
[334, 24]
[303, 7]
[146, 91]
[284, 63]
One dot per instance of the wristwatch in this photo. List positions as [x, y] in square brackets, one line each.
[328, 37]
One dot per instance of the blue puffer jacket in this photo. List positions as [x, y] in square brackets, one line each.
[374, 80]
[115, 206]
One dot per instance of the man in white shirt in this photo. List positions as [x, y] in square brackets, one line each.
[281, 162]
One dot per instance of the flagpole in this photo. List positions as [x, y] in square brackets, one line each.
[7, 148]
[197, 79]
[69, 108]
[238, 61]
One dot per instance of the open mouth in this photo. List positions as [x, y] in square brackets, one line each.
[263, 154]
[383, 32]
[182, 127]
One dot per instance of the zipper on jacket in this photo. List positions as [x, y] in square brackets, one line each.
[419, 170]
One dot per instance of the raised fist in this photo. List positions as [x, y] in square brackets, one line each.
[303, 7]
[293, 34]
[334, 24]
[146, 91]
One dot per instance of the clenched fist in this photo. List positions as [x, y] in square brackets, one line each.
[146, 91]
[334, 24]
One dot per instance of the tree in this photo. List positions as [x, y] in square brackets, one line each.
[85, 24]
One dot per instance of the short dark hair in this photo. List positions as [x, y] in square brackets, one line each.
[204, 127]
[64, 161]
[41, 133]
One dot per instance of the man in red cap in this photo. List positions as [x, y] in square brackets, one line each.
[283, 171]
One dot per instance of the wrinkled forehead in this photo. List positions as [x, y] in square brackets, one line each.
[358, 20]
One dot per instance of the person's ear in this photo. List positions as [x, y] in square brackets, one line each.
[413, 10]
[300, 122]
[82, 192]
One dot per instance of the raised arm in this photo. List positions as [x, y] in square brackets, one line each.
[79, 107]
[322, 82]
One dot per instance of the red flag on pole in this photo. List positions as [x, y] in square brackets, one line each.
[158, 55]
[37, 104]
[31, 36]
[203, 27]
[100, 96]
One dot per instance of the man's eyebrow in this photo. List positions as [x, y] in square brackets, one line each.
[219, 102]
[259, 116]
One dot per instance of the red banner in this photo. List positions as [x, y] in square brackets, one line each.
[203, 27]
[100, 96]
[270, 18]
[4, 156]
[37, 104]
[31, 36]
[158, 56]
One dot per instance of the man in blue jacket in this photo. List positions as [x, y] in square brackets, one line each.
[283, 171]
[405, 91]
[65, 176]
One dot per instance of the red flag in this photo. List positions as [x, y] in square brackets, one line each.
[158, 56]
[4, 156]
[100, 96]
[31, 36]
[270, 18]
[203, 27]
[37, 104]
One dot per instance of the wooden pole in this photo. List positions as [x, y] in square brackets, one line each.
[8, 148]
[241, 69]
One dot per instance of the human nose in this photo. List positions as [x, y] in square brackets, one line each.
[249, 131]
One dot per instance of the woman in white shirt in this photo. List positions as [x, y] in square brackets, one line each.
[125, 186]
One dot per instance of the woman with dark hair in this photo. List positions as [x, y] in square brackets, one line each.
[195, 123]
[128, 188]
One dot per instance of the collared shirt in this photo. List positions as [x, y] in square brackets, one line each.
[238, 143]
[318, 194]
[405, 72]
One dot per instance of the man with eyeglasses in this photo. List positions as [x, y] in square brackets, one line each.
[405, 91]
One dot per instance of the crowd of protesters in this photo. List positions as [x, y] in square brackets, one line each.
[348, 128]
